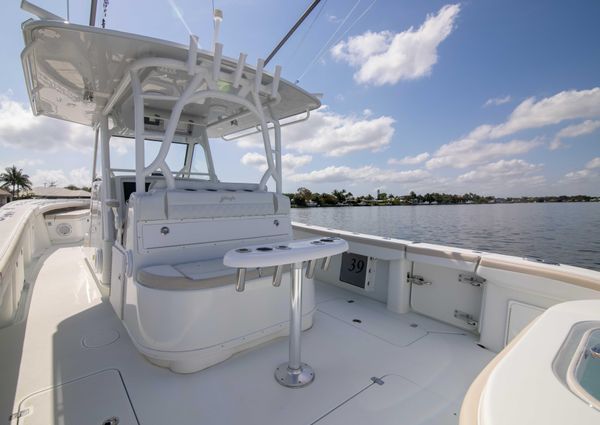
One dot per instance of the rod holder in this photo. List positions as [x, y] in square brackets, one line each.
[218, 54]
[260, 63]
[240, 284]
[310, 269]
[275, 83]
[237, 76]
[277, 276]
[325, 264]
[217, 19]
[192, 58]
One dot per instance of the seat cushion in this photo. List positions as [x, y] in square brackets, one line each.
[197, 275]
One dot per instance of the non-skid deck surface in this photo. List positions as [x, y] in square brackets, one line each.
[71, 334]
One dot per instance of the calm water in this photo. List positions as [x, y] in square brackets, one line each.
[565, 232]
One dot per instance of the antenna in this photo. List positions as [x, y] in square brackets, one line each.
[217, 18]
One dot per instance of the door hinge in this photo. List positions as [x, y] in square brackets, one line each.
[471, 279]
[417, 280]
[465, 317]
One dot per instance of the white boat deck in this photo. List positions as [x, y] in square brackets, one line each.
[51, 363]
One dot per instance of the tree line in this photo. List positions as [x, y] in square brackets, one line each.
[304, 197]
[19, 183]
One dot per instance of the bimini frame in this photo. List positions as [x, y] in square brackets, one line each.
[202, 84]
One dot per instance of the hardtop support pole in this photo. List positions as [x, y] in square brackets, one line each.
[278, 163]
[138, 122]
[210, 165]
[108, 233]
[96, 139]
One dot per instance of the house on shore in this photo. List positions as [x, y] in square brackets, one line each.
[5, 197]
[58, 192]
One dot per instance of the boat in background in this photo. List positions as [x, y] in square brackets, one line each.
[167, 297]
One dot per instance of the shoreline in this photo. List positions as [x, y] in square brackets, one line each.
[438, 204]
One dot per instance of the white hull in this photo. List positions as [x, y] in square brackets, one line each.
[65, 341]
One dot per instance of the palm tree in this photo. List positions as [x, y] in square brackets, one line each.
[14, 178]
[340, 195]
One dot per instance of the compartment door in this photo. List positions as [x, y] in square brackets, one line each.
[446, 294]
[118, 278]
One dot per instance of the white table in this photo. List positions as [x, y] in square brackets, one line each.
[293, 373]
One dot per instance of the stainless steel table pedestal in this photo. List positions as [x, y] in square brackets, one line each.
[295, 373]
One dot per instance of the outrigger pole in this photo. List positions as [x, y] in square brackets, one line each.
[292, 30]
[93, 8]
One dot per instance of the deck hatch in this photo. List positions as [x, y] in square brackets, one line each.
[93, 399]
[399, 401]
[365, 316]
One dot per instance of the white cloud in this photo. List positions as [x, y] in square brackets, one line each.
[579, 175]
[386, 57]
[78, 177]
[495, 101]
[121, 149]
[502, 178]
[333, 134]
[409, 160]
[588, 174]
[594, 163]
[290, 162]
[503, 171]
[333, 19]
[20, 129]
[580, 129]
[367, 173]
[575, 130]
[530, 113]
[254, 159]
[22, 163]
[358, 49]
[467, 152]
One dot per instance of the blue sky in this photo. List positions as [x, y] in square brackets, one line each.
[493, 97]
